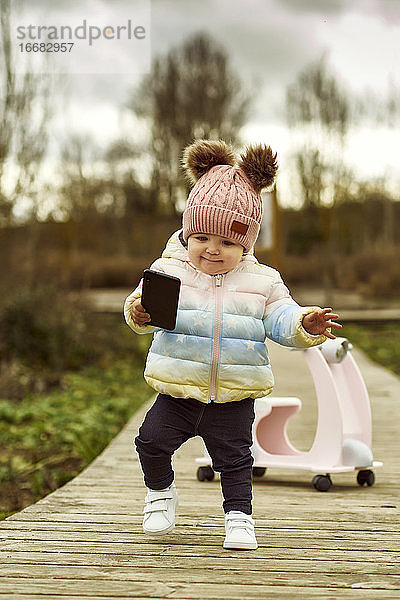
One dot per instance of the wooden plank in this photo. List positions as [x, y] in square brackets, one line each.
[103, 524]
[81, 565]
[212, 590]
[183, 547]
[266, 493]
[197, 535]
[270, 505]
[183, 575]
[192, 570]
[365, 315]
[266, 591]
[331, 503]
[205, 556]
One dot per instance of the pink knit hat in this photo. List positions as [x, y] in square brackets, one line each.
[225, 199]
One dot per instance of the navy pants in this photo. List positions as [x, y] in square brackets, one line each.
[226, 429]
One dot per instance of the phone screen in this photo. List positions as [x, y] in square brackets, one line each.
[160, 297]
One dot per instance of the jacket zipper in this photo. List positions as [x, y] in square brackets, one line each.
[217, 280]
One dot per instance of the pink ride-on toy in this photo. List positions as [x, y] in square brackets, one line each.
[343, 436]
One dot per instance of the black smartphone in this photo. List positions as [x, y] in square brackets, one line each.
[160, 297]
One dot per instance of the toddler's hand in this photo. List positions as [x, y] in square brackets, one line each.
[138, 313]
[318, 321]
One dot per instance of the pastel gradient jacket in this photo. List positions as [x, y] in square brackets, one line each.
[217, 350]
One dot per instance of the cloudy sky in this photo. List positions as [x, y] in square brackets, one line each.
[269, 42]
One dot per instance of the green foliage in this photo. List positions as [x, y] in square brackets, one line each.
[45, 332]
[381, 342]
[43, 328]
[47, 438]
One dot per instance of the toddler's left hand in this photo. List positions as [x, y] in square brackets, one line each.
[318, 321]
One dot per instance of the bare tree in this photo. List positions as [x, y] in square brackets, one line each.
[24, 116]
[320, 110]
[318, 107]
[315, 98]
[377, 110]
[190, 93]
[311, 171]
[120, 159]
[78, 188]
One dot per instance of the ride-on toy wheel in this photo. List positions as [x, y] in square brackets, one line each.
[322, 483]
[205, 474]
[365, 477]
[259, 471]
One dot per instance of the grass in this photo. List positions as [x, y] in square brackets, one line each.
[381, 342]
[46, 439]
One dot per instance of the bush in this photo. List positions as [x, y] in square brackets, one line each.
[297, 270]
[48, 439]
[87, 271]
[43, 328]
[43, 332]
[373, 272]
[376, 271]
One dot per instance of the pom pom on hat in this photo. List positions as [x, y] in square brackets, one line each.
[202, 155]
[225, 199]
[260, 165]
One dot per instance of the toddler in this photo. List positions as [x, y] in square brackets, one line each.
[212, 366]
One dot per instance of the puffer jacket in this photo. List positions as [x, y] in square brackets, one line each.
[217, 351]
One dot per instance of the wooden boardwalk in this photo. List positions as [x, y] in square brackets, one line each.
[85, 541]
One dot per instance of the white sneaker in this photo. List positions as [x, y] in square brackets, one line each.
[159, 510]
[239, 529]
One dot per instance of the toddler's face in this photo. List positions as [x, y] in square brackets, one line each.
[213, 254]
